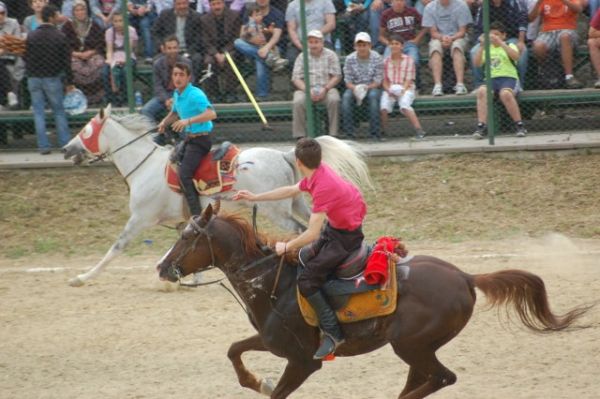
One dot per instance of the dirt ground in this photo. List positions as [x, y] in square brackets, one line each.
[121, 337]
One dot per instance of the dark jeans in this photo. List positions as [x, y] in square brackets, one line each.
[332, 248]
[196, 148]
[5, 85]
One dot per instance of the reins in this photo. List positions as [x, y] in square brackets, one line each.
[102, 156]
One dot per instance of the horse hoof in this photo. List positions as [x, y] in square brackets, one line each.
[76, 282]
[266, 386]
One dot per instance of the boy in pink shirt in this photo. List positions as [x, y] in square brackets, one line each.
[342, 205]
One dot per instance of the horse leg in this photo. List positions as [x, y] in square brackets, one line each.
[294, 375]
[133, 227]
[246, 378]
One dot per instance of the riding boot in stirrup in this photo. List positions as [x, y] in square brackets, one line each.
[332, 333]
[193, 202]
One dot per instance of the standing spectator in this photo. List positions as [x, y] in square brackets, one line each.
[86, 42]
[505, 79]
[12, 67]
[324, 75]
[514, 18]
[113, 73]
[32, 22]
[594, 46]
[447, 21]
[141, 17]
[363, 74]
[405, 21]
[163, 83]
[47, 61]
[186, 24]
[399, 84]
[103, 10]
[262, 47]
[320, 15]
[558, 32]
[221, 27]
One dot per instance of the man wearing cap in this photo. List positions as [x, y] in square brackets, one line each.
[363, 74]
[324, 75]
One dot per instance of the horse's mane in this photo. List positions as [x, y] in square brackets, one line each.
[136, 123]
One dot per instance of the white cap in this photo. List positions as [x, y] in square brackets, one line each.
[362, 37]
[316, 33]
[2, 7]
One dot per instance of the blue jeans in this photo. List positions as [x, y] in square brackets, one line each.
[153, 108]
[348, 102]
[374, 20]
[51, 89]
[521, 65]
[263, 72]
[119, 75]
[144, 27]
[410, 49]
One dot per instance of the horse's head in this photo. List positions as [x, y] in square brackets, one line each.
[193, 251]
[88, 141]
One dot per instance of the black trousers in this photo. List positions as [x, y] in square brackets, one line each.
[196, 148]
[332, 247]
[5, 82]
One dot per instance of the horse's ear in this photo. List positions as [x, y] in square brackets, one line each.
[207, 214]
[217, 207]
[105, 112]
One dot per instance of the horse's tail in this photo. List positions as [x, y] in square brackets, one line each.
[527, 293]
[346, 159]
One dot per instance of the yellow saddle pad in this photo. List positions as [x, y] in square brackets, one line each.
[361, 306]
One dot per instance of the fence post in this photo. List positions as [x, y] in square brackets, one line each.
[128, 66]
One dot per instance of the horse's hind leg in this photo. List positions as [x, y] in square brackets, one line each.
[246, 378]
[294, 375]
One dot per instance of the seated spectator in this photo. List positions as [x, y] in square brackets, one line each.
[141, 17]
[405, 21]
[203, 6]
[86, 42]
[320, 15]
[261, 32]
[505, 79]
[363, 16]
[163, 84]
[515, 20]
[103, 10]
[324, 75]
[558, 20]
[114, 71]
[363, 74]
[187, 26]
[160, 5]
[220, 28]
[594, 46]
[447, 22]
[399, 84]
[12, 67]
[32, 22]
[376, 10]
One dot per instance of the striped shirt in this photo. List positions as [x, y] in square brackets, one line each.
[320, 68]
[397, 73]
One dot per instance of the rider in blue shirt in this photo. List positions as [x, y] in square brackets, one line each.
[191, 115]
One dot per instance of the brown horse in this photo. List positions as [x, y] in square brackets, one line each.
[434, 305]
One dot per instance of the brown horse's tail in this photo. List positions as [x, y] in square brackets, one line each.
[527, 293]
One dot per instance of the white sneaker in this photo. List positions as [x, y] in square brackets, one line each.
[13, 101]
[597, 84]
[460, 89]
[280, 64]
[437, 90]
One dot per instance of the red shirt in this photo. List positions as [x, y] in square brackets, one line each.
[595, 23]
[405, 23]
[341, 201]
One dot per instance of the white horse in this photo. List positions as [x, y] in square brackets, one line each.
[142, 163]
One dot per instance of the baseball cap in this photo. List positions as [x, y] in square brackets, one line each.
[362, 37]
[315, 33]
[2, 7]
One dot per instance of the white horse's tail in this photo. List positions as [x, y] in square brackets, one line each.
[345, 158]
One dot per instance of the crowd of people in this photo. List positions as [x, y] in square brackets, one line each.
[379, 46]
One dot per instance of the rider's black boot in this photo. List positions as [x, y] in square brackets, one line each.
[193, 201]
[332, 333]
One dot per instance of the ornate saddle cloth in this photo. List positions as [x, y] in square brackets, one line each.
[215, 173]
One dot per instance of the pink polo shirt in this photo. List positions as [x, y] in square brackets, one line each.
[341, 201]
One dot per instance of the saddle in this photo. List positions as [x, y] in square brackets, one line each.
[216, 172]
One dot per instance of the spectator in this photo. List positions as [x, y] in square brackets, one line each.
[32, 22]
[363, 17]
[261, 32]
[233, 5]
[514, 18]
[594, 45]
[17, 9]
[405, 21]
[163, 84]
[320, 15]
[44, 82]
[160, 5]
[141, 17]
[187, 26]
[103, 10]
[558, 32]
[114, 71]
[399, 84]
[12, 67]
[505, 79]
[363, 74]
[220, 28]
[376, 10]
[324, 74]
[447, 21]
[86, 42]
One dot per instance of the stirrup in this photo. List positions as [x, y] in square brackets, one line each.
[327, 347]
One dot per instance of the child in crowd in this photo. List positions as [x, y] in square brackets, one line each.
[505, 79]
[399, 85]
[255, 29]
[114, 69]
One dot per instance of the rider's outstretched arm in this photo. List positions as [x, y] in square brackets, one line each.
[273, 195]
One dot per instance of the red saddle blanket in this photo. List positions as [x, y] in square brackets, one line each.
[211, 176]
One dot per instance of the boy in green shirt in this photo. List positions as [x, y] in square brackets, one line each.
[505, 79]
